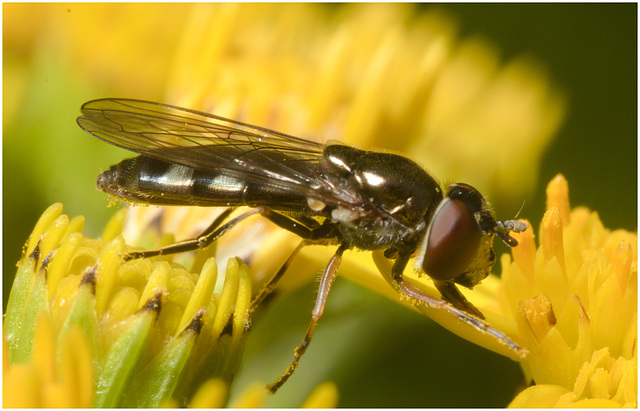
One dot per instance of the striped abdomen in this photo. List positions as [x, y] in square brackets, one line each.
[147, 180]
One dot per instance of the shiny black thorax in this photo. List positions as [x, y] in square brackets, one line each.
[396, 197]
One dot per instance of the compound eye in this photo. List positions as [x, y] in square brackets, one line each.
[453, 241]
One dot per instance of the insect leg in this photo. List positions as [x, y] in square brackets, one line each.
[268, 288]
[328, 276]
[451, 293]
[310, 230]
[215, 231]
[298, 227]
[309, 234]
[219, 219]
[397, 281]
[205, 239]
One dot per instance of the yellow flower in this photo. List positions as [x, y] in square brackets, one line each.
[83, 329]
[575, 302]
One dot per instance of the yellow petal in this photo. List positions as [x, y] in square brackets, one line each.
[539, 396]
[211, 394]
[324, 395]
[253, 396]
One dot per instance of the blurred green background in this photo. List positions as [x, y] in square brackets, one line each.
[379, 353]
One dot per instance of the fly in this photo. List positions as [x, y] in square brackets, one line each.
[329, 194]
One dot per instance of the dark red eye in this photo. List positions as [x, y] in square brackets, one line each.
[453, 241]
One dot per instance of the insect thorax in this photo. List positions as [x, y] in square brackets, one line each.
[395, 197]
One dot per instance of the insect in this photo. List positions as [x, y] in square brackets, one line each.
[329, 194]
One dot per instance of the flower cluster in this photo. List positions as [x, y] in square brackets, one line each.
[83, 328]
[575, 301]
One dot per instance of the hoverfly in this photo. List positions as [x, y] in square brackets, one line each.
[329, 194]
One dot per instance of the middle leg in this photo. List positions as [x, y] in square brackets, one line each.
[327, 279]
[310, 231]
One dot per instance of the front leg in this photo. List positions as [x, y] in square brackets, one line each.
[395, 278]
[451, 293]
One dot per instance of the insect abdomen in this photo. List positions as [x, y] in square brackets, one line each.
[147, 180]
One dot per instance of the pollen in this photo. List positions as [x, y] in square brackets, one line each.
[315, 204]
[539, 316]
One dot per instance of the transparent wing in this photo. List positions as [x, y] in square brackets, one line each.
[211, 143]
